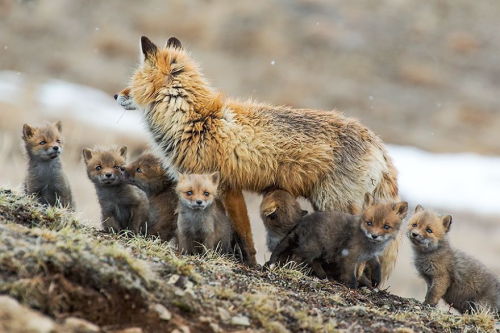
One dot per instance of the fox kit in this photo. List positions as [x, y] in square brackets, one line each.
[202, 222]
[343, 240]
[280, 212]
[147, 173]
[123, 206]
[323, 156]
[46, 179]
[462, 281]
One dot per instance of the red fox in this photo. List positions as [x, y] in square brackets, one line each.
[123, 206]
[323, 156]
[343, 240]
[147, 173]
[462, 281]
[46, 179]
[202, 223]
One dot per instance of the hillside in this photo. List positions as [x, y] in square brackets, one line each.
[64, 270]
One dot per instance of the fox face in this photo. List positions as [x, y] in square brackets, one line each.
[105, 168]
[145, 172]
[426, 229]
[381, 222]
[197, 191]
[43, 143]
[161, 69]
[280, 209]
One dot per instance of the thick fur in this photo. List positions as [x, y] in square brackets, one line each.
[202, 223]
[462, 281]
[123, 206]
[46, 179]
[280, 212]
[147, 173]
[322, 155]
[344, 241]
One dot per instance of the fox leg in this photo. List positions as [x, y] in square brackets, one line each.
[236, 208]
[125, 100]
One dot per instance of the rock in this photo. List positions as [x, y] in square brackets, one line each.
[129, 330]
[78, 325]
[15, 317]
[240, 320]
[162, 311]
[224, 314]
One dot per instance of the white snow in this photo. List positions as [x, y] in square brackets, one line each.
[467, 182]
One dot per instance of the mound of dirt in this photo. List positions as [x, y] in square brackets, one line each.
[77, 279]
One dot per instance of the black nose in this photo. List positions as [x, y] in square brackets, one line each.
[108, 175]
[374, 236]
[56, 148]
[199, 202]
[414, 234]
[115, 96]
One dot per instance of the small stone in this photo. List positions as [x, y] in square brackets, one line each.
[173, 279]
[130, 330]
[416, 307]
[224, 314]
[78, 325]
[240, 320]
[215, 328]
[162, 312]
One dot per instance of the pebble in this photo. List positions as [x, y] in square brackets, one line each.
[162, 312]
[240, 320]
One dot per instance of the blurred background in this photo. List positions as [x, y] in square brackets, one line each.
[425, 76]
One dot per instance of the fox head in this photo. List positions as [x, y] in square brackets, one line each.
[197, 191]
[426, 229]
[43, 143]
[280, 209]
[105, 167]
[380, 222]
[147, 173]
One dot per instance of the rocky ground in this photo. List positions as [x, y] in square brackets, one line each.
[58, 275]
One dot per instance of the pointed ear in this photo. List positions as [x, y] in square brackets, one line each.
[87, 154]
[123, 151]
[28, 131]
[303, 212]
[270, 211]
[447, 222]
[419, 208]
[174, 43]
[401, 208]
[368, 201]
[215, 177]
[148, 48]
[58, 125]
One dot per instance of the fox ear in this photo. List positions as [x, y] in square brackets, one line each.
[123, 151]
[174, 43]
[58, 125]
[87, 154]
[401, 208]
[303, 212]
[368, 200]
[447, 222]
[148, 48]
[270, 211]
[215, 177]
[419, 208]
[28, 131]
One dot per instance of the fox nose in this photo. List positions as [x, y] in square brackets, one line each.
[108, 175]
[199, 202]
[414, 234]
[55, 148]
[115, 96]
[374, 236]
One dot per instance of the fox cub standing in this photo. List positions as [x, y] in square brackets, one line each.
[280, 212]
[123, 206]
[459, 279]
[202, 222]
[343, 240]
[147, 173]
[46, 179]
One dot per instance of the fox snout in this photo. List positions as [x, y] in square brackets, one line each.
[199, 204]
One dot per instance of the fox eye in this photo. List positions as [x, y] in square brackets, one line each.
[116, 167]
[369, 223]
[206, 193]
[189, 193]
[43, 142]
[387, 227]
[58, 141]
[429, 230]
[272, 216]
[98, 167]
[139, 170]
[414, 225]
[122, 168]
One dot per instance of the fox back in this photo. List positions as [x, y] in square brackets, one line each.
[147, 173]
[46, 179]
